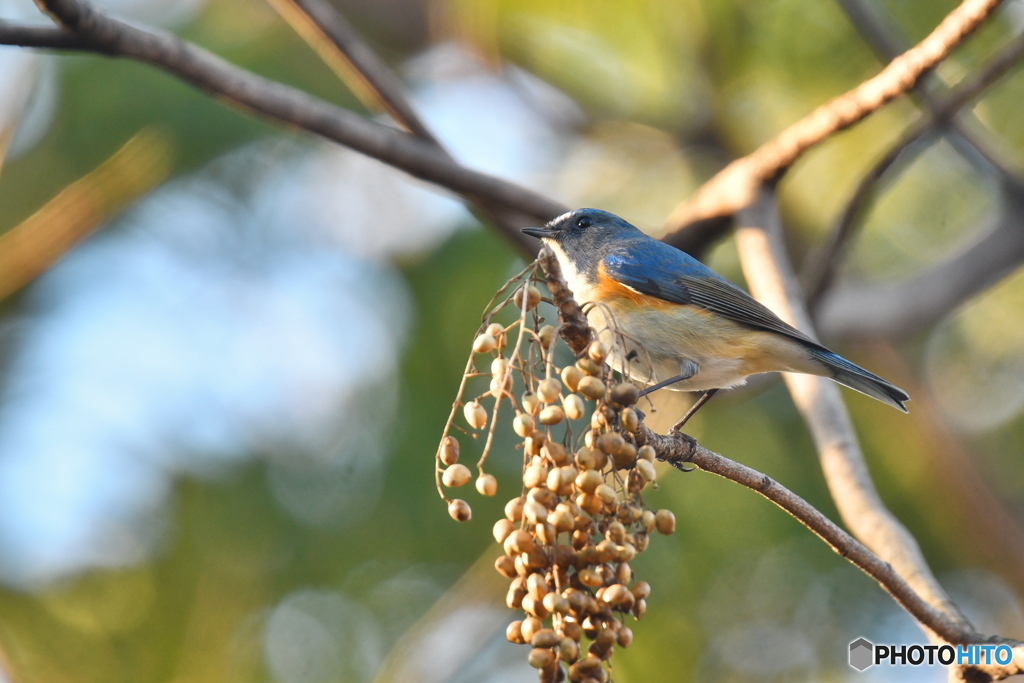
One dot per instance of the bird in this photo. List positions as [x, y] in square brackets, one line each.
[669, 321]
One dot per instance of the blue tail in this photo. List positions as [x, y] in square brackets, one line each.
[856, 377]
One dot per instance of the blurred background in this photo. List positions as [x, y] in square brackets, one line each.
[219, 412]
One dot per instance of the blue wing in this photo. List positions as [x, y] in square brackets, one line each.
[659, 270]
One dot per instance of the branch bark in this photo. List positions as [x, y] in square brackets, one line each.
[39, 241]
[773, 282]
[737, 185]
[821, 264]
[353, 60]
[95, 31]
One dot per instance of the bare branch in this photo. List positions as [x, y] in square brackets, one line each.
[106, 35]
[771, 280]
[352, 59]
[823, 261]
[46, 37]
[681, 449]
[770, 276]
[373, 81]
[737, 185]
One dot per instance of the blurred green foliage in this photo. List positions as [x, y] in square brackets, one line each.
[669, 86]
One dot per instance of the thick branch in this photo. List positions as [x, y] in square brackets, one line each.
[737, 185]
[769, 275]
[771, 279]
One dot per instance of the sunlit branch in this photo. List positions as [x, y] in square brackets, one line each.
[36, 243]
[823, 261]
[101, 33]
[341, 47]
[352, 59]
[736, 186]
[771, 278]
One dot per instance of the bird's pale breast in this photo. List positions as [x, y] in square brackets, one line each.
[659, 337]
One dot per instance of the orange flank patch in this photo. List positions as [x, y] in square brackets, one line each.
[609, 290]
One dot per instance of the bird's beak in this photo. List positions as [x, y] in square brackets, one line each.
[539, 233]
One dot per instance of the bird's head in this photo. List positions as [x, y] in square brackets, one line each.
[584, 236]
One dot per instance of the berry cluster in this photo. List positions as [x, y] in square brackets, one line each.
[570, 536]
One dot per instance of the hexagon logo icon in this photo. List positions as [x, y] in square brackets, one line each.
[861, 654]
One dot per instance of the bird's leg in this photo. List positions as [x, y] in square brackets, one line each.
[693, 409]
[689, 370]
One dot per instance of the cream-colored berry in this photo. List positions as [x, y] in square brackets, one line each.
[571, 376]
[456, 475]
[549, 390]
[485, 343]
[551, 415]
[449, 450]
[475, 415]
[574, 407]
[646, 470]
[487, 485]
[591, 387]
[523, 424]
[459, 510]
[665, 522]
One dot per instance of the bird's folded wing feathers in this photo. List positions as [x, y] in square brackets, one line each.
[708, 291]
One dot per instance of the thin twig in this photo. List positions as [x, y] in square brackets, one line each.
[737, 185]
[888, 42]
[681, 449]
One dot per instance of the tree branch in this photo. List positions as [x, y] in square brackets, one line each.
[46, 38]
[770, 276]
[103, 34]
[681, 449]
[736, 186]
[822, 263]
[39, 241]
[352, 59]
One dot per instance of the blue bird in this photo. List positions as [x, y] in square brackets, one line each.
[685, 327]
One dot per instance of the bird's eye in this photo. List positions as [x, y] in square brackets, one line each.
[584, 222]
